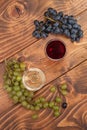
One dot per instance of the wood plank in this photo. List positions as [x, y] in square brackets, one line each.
[73, 118]
[35, 57]
[15, 29]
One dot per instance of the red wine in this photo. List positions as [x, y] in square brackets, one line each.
[55, 49]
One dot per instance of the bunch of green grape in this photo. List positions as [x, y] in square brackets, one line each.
[13, 84]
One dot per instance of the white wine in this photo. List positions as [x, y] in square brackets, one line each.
[34, 79]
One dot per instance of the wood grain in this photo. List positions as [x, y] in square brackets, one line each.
[74, 117]
[15, 26]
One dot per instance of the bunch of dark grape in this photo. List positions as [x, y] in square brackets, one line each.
[58, 23]
[14, 86]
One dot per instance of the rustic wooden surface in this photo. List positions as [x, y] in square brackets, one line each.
[16, 40]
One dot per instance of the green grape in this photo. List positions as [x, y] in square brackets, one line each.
[13, 61]
[35, 116]
[28, 99]
[37, 108]
[8, 82]
[16, 73]
[26, 93]
[55, 108]
[9, 89]
[19, 93]
[51, 104]
[45, 105]
[13, 92]
[22, 66]
[53, 89]
[24, 104]
[16, 88]
[22, 98]
[58, 99]
[16, 66]
[40, 105]
[37, 101]
[16, 83]
[32, 107]
[19, 78]
[28, 106]
[22, 86]
[6, 86]
[22, 90]
[42, 99]
[56, 113]
[15, 98]
[64, 86]
[18, 70]
[64, 92]
[13, 79]
[10, 73]
[5, 76]
[31, 94]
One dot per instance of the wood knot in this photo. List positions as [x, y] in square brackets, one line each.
[16, 10]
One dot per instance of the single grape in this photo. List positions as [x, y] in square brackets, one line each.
[8, 82]
[16, 83]
[15, 98]
[26, 93]
[16, 73]
[40, 105]
[64, 86]
[16, 66]
[55, 108]
[42, 99]
[24, 104]
[45, 105]
[22, 98]
[6, 86]
[32, 107]
[28, 99]
[53, 89]
[37, 101]
[35, 116]
[31, 94]
[64, 105]
[13, 93]
[51, 104]
[22, 66]
[16, 88]
[37, 108]
[28, 106]
[22, 86]
[9, 89]
[64, 92]
[56, 113]
[19, 93]
[19, 78]
[58, 99]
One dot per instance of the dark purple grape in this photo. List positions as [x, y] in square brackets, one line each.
[60, 14]
[44, 35]
[69, 26]
[64, 105]
[58, 23]
[67, 32]
[74, 30]
[36, 23]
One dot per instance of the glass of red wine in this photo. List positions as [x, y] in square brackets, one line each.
[55, 49]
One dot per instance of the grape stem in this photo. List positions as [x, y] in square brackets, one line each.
[48, 18]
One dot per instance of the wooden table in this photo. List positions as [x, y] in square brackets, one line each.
[16, 26]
